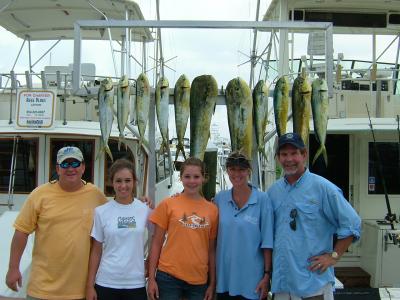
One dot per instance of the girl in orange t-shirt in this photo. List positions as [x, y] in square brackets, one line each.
[183, 245]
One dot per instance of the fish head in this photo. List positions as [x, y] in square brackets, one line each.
[163, 83]
[107, 84]
[261, 88]
[305, 86]
[184, 82]
[283, 84]
[142, 80]
[123, 82]
[323, 85]
[234, 87]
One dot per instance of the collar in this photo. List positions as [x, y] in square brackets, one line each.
[300, 180]
[252, 198]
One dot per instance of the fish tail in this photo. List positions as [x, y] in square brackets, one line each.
[104, 149]
[107, 149]
[180, 148]
[261, 150]
[122, 140]
[321, 150]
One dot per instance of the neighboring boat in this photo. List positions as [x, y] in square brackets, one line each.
[38, 118]
[352, 164]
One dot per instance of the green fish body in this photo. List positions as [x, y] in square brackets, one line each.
[203, 98]
[142, 104]
[320, 109]
[106, 114]
[281, 105]
[162, 110]
[260, 113]
[182, 111]
[239, 106]
[301, 107]
[123, 95]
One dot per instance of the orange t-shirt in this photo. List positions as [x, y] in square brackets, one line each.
[190, 225]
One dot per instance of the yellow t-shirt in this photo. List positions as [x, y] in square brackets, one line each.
[190, 225]
[62, 222]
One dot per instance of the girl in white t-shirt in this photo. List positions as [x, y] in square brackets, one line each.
[116, 265]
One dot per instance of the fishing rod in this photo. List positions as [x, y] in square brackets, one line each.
[391, 218]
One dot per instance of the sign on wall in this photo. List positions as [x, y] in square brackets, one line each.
[35, 108]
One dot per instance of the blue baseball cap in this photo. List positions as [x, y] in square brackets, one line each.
[291, 138]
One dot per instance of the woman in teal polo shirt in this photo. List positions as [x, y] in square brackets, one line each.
[245, 235]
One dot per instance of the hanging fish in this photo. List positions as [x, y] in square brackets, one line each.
[320, 107]
[260, 112]
[106, 114]
[123, 94]
[162, 110]
[239, 105]
[182, 111]
[203, 98]
[281, 105]
[142, 105]
[301, 107]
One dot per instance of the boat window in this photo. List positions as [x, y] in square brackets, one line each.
[162, 168]
[26, 150]
[87, 148]
[122, 153]
[337, 171]
[390, 163]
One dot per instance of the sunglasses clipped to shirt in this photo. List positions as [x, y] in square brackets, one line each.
[74, 164]
[293, 215]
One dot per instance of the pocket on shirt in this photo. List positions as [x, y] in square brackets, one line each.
[307, 216]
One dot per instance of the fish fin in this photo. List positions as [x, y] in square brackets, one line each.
[321, 150]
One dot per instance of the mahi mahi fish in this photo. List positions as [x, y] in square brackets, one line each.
[106, 114]
[162, 109]
[142, 105]
[182, 111]
[260, 112]
[123, 94]
[320, 106]
[281, 105]
[239, 105]
[203, 98]
[301, 107]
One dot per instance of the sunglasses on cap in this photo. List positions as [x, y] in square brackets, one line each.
[238, 160]
[74, 164]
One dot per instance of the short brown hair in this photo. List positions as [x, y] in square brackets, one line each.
[236, 158]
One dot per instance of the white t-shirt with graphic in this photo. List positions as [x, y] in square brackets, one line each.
[121, 229]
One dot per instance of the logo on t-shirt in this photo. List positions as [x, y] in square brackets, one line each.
[194, 221]
[126, 222]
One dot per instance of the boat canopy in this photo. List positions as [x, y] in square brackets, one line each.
[33, 19]
[347, 16]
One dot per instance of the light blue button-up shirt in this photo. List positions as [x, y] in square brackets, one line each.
[242, 233]
[321, 212]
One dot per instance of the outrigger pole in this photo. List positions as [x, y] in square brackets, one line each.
[391, 218]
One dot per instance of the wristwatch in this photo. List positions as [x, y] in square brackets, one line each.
[335, 255]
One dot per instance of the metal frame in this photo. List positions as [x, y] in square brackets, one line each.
[254, 25]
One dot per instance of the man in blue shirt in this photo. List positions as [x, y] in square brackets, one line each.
[308, 211]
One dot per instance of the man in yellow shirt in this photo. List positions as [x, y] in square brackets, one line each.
[60, 213]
